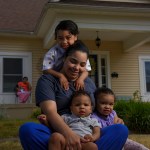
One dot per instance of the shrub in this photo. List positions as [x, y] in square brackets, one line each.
[35, 113]
[136, 115]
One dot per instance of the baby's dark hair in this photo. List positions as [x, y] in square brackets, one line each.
[68, 25]
[80, 93]
[103, 90]
[77, 46]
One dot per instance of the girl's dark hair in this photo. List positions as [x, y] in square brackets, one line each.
[68, 25]
[77, 46]
[79, 93]
[102, 90]
[25, 78]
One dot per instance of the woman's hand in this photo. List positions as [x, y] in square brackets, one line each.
[72, 141]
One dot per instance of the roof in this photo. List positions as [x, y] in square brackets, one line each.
[20, 15]
[24, 15]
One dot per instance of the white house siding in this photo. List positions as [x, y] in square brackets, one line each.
[126, 64]
[34, 46]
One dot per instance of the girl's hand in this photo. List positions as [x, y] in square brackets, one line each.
[79, 84]
[64, 82]
[118, 120]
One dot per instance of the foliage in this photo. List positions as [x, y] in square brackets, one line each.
[35, 112]
[136, 115]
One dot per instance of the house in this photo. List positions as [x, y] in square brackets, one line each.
[121, 61]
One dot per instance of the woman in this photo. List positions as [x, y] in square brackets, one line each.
[54, 101]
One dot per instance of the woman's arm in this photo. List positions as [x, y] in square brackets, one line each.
[49, 108]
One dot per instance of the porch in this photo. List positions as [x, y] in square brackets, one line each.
[16, 111]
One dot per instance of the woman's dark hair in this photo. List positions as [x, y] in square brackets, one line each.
[68, 25]
[77, 46]
[79, 93]
[102, 90]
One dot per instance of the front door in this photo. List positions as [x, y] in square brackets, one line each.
[100, 72]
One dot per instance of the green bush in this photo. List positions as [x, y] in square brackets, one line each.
[35, 113]
[136, 115]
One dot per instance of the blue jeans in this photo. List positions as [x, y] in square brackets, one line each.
[35, 136]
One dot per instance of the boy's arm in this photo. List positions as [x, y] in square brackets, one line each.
[91, 138]
[79, 84]
[96, 133]
[63, 80]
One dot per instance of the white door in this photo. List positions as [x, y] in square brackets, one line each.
[13, 66]
[100, 65]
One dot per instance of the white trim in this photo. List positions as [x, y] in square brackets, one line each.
[9, 98]
[145, 95]
[105, 53]
[22, 54]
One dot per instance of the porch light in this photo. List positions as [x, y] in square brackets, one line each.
[114, 75]
[98, 40]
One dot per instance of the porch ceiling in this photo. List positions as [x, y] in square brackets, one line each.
[115, 21]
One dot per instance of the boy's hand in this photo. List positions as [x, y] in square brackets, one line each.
[79, 84]
[64, 82]
[89, 137]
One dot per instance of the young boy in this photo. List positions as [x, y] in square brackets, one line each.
[106, 116]
[79, 121]
[66, 33]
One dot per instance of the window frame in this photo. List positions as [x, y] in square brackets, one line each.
[142, 60]
[106, 55]
[27, 67]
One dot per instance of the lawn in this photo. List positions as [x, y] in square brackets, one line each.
[9, 135]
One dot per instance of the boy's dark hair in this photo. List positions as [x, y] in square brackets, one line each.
[68, 25]
[103, 90]
[79, 93]
[77, 46]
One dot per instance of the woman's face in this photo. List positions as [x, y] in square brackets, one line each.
[74, 65]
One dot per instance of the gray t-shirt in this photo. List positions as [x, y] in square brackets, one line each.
[81, 125]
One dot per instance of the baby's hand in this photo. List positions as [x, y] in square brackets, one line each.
[79, 84]
[43, 119]
[89, 138]
[64, 82]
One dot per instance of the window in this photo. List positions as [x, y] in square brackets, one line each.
[13, 66]
[144, 69]
[12, 73]
[147, 75]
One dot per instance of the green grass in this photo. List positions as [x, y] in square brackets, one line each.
[9, 135]
[9, 128]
